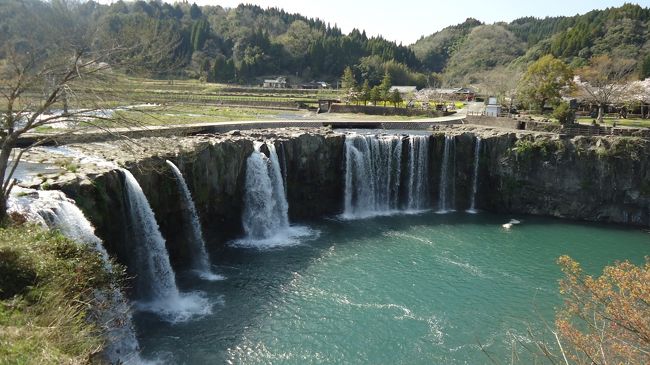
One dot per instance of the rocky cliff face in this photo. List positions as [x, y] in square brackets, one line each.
[214, 168]
[598, 179]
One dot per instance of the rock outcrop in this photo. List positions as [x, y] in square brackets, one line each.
[605, 179]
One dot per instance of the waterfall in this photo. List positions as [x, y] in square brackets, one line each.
[447, 190]
[155, 279]
[418, 182]
[200, 259]
[283, 153]
[477, 155]
[54, 210]
[374, 172]
[266, 210]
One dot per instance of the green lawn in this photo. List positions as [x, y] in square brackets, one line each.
[644, 123]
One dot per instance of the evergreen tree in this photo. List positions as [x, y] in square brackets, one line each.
[375, 95]
[200, 32]
[205, 69]
[217, 72]
[384, 88]
[395, 98]
[348, 82]
[365, 92]
[229, 71]
[195, 11]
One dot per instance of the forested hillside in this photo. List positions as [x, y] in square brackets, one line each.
[232, 45]
[464, 51]
[247, 43]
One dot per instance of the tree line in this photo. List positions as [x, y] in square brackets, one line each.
[245, 43]
[240, 44]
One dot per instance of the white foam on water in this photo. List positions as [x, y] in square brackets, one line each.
[209, 276]
[266, 210]
[290, 236]
[177, 308]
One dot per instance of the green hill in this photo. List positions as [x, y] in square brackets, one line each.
[462, 53]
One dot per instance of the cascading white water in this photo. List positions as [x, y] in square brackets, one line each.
[155, 279]
[477, 155]
[54, 210]
[200, 258]
[447, 190]
[266, 210]
[418, 183]
[372, 177]
[279, 192]
[374, 172]
[284, 166]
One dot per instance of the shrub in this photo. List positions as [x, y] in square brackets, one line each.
[605, 320]
[564, 114]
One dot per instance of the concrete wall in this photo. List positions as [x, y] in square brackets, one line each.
[379, 110]
[493, 121]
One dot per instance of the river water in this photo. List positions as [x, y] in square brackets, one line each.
[405, 289]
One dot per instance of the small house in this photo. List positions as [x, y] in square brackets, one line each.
[465, 93]
[278, 83]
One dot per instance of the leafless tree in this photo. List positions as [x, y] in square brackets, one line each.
[605, 81]
[502, 83]
[52, 73]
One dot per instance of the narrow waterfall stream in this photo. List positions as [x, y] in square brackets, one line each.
[418, 182]
[155, 280]
[374, 175]
[447, 190]
[477, 156]
[54, 210]
[266, 210]
[200, 258]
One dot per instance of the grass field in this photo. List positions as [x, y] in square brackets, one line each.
[129, 102]
[44, 306]
[638, 123]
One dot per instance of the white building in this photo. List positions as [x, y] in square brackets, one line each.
[279, 83]
[493, 108]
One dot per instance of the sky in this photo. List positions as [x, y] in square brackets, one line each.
[407, 20]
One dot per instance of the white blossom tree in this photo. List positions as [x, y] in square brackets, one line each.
[604, 81]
